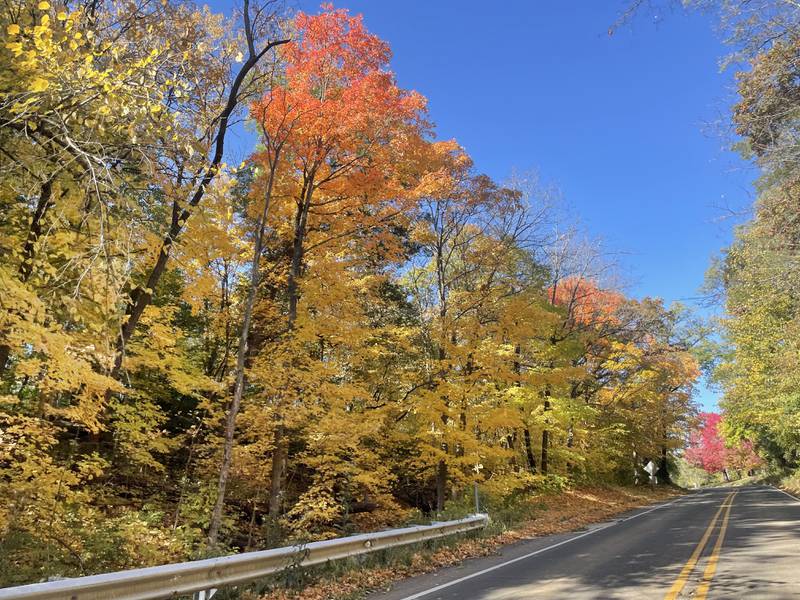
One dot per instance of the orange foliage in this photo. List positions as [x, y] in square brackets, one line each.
[338, 98]
[585, 301]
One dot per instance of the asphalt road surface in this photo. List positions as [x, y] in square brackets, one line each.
[718, 543]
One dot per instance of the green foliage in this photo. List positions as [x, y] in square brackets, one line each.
[756, 364]
[691, 477]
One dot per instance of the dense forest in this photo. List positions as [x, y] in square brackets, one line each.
[756, 279]
[205, 349]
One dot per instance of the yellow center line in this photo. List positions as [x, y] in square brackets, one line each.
[680, 583]
[711, 567]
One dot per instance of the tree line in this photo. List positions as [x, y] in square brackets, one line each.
[756, 277]
[349, 325]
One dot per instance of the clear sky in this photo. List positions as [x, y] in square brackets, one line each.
[622, 124]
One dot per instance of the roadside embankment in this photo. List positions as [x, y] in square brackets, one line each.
[542, 514]
[790, 483]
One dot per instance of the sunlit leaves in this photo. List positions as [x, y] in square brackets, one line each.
[407, 330]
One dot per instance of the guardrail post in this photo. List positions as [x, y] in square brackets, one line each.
[204, 594]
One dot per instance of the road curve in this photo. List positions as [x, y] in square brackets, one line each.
[717, 543]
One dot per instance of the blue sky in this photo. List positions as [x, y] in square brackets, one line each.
[622, 124]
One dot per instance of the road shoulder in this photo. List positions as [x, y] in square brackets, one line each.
[560, 518]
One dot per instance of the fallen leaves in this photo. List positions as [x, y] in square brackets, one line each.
[557, 513]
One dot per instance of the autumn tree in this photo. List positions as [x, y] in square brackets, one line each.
[708, 449]
[755, 278]
[200, 354]
[109, 117]
[338, 134]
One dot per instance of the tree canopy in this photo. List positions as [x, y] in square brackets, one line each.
[351, 325]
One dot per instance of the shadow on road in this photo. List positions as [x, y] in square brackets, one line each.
[643, 557]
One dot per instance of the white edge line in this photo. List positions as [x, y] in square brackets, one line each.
[792, 496]
[541, 550]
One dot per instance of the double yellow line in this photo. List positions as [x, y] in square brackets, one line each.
[711, 567]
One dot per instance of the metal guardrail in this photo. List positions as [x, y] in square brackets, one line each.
[169, 581]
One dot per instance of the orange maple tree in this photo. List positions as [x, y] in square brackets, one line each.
[346, 134]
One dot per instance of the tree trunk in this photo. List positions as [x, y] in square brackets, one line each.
[300, 220]
[281, 452]
[570, 441]
[141, 296]
[29, 250]
[663, 468]
[526, 434]
[511, 442]
[441, 485]
[251, 528]
[239, 378]
[279, 456]
[35, 229]
[5, 352]
[441, 474]
[545, 442]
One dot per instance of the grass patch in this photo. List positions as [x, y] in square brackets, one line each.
[789, 482]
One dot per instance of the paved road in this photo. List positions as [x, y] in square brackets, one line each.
[719, 543]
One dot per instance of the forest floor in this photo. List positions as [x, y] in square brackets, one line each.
[559, 512]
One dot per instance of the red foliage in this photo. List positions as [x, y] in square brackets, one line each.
[708, 450]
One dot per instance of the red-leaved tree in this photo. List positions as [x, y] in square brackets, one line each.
[708, 450]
